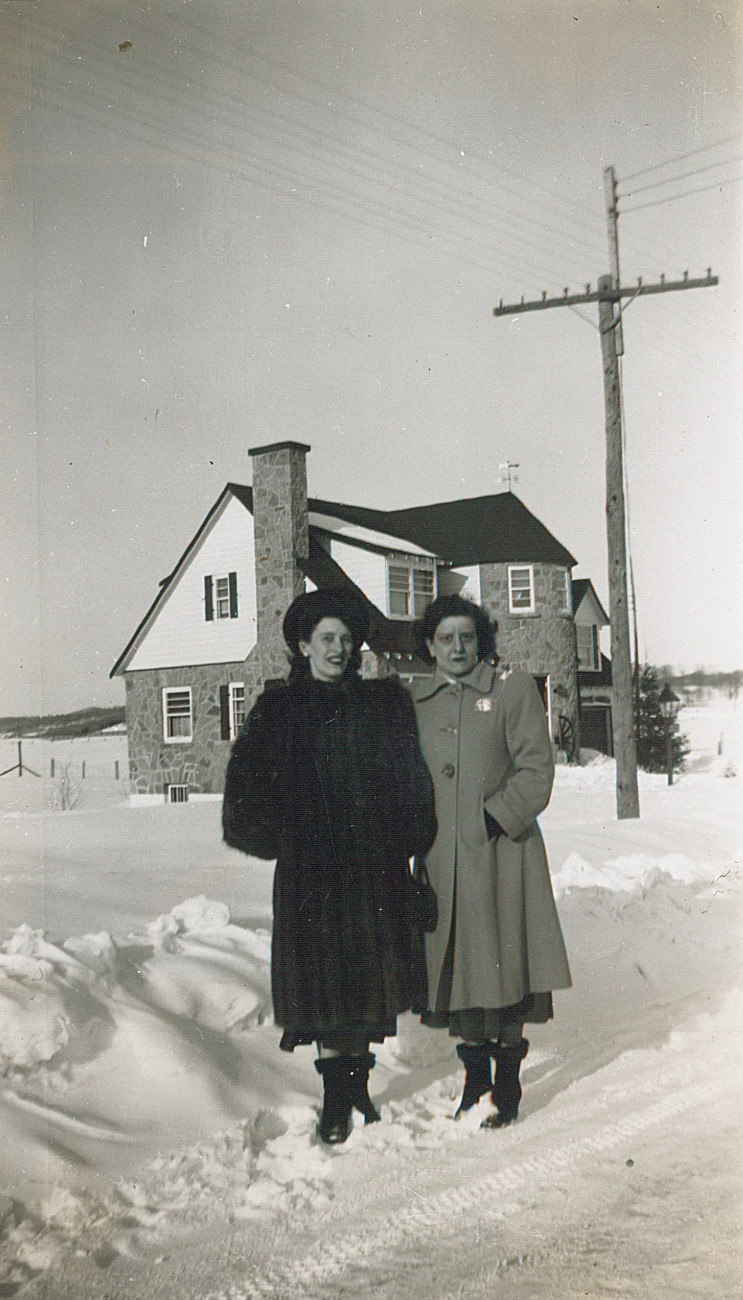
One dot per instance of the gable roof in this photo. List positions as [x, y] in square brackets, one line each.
[581, 588]
[165, 584]
[494, 529]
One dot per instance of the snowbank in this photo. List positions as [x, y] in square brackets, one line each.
[139, 1070]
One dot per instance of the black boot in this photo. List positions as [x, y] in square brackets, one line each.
[506, 1092]
[478, 1079]
[335, 1121]
[360, 1067]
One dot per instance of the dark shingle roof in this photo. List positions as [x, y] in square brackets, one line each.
[476, 530]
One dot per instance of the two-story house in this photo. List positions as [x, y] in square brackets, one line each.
[212, 635]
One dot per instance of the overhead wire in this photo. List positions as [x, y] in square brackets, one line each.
[681, 157]
[272, 163]
[671, 180]
[275, 175]
[670, 198]
[383, 113]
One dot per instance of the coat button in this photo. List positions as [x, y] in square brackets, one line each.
[448, 769]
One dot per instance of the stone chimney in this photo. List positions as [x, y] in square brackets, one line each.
[281, 539]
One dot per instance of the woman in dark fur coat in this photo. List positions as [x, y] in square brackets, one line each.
[327, 777]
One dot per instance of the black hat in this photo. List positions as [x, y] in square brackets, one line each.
[304, 614]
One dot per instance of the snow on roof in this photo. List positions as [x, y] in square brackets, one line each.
[372, 538]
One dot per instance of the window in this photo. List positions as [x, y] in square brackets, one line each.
[589, 652]
[177, 793]
[220, 597]
[521, 588]
[411, 586]
[237, 708]
[177, 715]
[232, 709]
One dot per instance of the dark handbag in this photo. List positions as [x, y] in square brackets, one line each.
[421, 903]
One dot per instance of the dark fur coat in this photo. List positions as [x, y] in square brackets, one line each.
[328, 778]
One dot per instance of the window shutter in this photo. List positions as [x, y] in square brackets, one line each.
[233, 595]
[224, 711]
[208, 599]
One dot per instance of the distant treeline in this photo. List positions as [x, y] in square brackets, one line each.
[703, 680]
[63, 726]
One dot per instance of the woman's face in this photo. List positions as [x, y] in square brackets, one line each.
[329, 649]
[454, 645]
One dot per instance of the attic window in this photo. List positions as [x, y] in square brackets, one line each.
[220, 597]
[411, 586]
[521, 588]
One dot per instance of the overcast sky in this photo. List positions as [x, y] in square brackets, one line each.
[231, 222]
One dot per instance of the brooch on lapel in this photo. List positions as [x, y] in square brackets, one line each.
[484, 704]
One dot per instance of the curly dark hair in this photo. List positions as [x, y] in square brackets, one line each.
[311, 608]
[457, 607]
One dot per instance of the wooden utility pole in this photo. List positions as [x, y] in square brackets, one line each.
[609, 295]
[612, 221]
[622, 709]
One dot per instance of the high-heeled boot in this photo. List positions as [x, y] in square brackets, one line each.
[507, 1091]
[335, 1121]
[360, 1068]
[478, 1077]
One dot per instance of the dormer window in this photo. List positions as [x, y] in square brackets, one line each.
[411, 586]
[521, 588]
[220, 597]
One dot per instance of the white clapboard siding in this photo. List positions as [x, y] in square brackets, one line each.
[367, 569]
[180, 634]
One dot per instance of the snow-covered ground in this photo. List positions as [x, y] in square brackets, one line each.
[156, 1143]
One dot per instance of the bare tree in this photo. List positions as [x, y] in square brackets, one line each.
[66, 791]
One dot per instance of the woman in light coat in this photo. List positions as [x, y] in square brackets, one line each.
[498, 951]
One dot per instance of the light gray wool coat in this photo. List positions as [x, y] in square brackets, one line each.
[486, 743]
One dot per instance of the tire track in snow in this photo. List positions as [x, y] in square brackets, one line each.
[330, 1258]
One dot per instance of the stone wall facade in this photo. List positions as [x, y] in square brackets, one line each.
[542, 643]
[200, 763]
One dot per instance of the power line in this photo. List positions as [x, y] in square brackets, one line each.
[681, 157]
[344, 172]
[700, 189]
[233, 111]
[670, 180]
